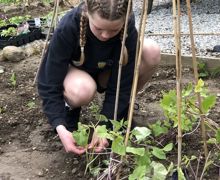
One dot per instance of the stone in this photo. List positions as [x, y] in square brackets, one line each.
[2, 58]
[216, 48]
[13, 53]
[2, 69]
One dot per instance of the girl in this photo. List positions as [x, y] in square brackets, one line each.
[83, 58]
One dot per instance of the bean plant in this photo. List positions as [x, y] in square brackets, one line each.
[146, 158]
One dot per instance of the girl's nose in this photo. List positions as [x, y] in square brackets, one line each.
[105, 35]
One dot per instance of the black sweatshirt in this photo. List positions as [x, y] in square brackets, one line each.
[64, 48]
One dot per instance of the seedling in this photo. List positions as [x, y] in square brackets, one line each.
[13, 80]
[9, 32]
[31, 105]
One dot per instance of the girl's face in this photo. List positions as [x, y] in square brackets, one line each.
[104, 29]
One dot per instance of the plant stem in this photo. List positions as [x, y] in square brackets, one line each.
[196, 77]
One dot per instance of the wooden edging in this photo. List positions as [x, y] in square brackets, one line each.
[170, 59]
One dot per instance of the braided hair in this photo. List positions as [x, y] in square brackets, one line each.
[107, 9]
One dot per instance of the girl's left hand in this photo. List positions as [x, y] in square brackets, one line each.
[99, 144]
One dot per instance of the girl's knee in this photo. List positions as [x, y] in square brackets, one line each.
[151, 52]
[79, 88]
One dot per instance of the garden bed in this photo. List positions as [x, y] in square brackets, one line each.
[32, 149]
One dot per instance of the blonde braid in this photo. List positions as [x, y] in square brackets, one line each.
[82, 40]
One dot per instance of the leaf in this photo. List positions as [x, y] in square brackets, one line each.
[116, 125]
[160, 172]
[180, 174]
[141, 133]
[168, 147]
[81, 136]
[158, 129]
[102, 132]
[188, 90]
[159, 153]
[118, 146]
[144, 160]
[137, 151]
[138, 173]
[207, 103]
[199, 86]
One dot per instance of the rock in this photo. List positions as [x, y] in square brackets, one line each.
[74, 170]
[2, 69]
[29, 50]
[216, 48]
[2, 58]
[13, 53]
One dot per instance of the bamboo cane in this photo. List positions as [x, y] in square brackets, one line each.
[136, 71]
[56, 4]
[176, 22]
[139, 48]
[120, 68]
[121, 60]
[196, 77]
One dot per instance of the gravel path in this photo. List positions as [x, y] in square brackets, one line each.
[206, 19]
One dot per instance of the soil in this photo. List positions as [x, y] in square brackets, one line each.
[30, 149]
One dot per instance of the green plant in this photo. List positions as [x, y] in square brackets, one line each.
[19, 19]
[142, 148]
[13, 80]
[203, 70]
[190, 110]
[215, 72]
[9, 32]
[2, 22]
[31, 105]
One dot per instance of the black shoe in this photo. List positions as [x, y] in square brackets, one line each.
[72, 118]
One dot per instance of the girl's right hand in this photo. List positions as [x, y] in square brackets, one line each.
[68, 141]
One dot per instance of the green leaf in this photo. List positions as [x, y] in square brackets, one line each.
[144, 160]
[116, 125]
[141, 133]
[31, 104]
[118, 146]
[207, 103]
[81, 136]
[138, 173]
[160, 172]
[137, 151]
[102, 132]
[199, 86]
[188, 90]
[212, 141]
[168, 147]
[158, 129]
[180, 174]
[159, 153]
[218, 135]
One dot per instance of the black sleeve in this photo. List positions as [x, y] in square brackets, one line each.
[126, 79]
[54, 69]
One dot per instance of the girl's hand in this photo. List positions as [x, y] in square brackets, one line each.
[99, 144]
[68, 141]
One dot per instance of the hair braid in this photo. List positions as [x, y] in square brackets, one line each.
[82, 40]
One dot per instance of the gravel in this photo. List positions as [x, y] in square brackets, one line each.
[206, 19]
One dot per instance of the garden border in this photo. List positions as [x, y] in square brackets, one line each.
[170, 59]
